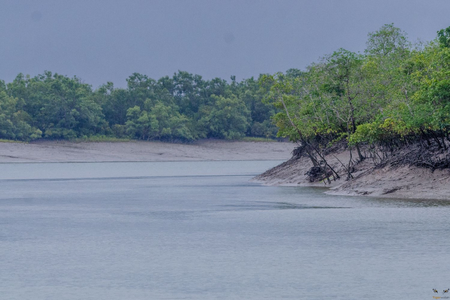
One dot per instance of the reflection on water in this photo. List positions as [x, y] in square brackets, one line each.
[153, 231]
[257, 205]
[409, 202]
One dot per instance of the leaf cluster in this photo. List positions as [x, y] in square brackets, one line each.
[393, 91]
[183, 107]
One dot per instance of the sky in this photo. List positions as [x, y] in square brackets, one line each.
[101, 41]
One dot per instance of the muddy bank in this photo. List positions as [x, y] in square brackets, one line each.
[396, 182]
[63, 151]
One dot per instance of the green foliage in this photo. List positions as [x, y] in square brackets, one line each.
[13, 120]
[391, 92]
[389, 39]
[444, 37]
[227, 118]
[162, 122]
[183, 107]
[59, 106]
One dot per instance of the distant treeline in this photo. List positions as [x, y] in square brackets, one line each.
[183, 107]
[395, 94]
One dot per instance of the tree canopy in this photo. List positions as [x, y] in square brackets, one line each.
[394, 94]
[183, 107]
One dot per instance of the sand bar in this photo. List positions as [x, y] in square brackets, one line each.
[205, 150]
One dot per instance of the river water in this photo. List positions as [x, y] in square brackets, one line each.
[201, 230]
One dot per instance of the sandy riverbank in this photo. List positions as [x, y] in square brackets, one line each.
[63, 151]
[402, 182]
[391, 182]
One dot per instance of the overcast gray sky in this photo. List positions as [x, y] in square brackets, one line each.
[102, 41]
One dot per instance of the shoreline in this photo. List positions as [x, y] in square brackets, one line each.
[127, 161]
[142, 151]
[403, 182]
[400, 182]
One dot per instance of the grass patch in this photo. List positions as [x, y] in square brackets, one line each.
[99, 139]
[11, 141]
[257, 139]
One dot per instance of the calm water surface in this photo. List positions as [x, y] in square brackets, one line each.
[201, 230]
